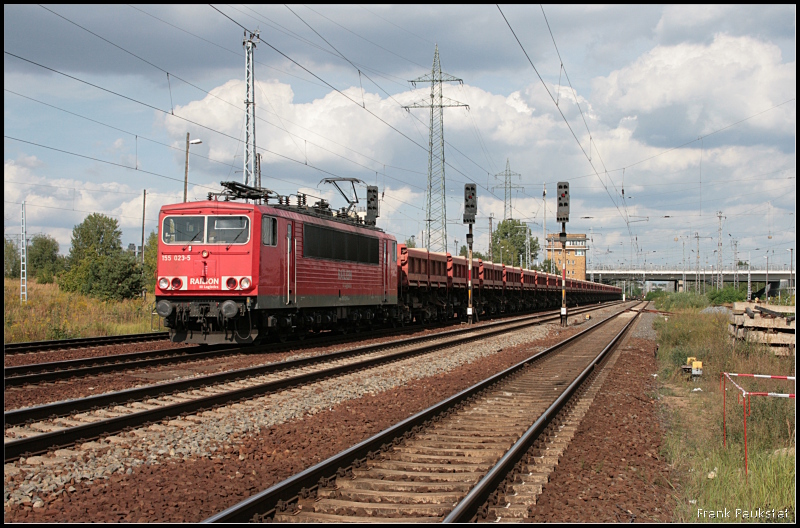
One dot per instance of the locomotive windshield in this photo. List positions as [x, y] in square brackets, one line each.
[228, 229]
[183, 229]
[205, 230]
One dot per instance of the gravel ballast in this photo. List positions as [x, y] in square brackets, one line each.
[188, 469]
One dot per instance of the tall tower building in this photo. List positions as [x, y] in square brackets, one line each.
[574, 254]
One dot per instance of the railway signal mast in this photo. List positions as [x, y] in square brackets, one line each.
[562, 215]
[470, 210]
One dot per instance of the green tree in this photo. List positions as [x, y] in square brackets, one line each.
[119, 277]
[411, 243]
[10, 259]
[475, 254]
[547, 265]
[150, 261]
[508, 242]
[44, 262]
[98, 235]
[726, 295]
[97, 264]
[108, 277]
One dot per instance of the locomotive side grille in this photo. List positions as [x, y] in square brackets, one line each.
[323, 243]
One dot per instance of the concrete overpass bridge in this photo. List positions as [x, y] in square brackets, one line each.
[777, 278]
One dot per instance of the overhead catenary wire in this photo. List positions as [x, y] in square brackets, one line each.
[170, 114]
[356, 102]
[327, 84]
[207, 92]
[559, 111]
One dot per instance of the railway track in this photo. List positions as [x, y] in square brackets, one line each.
[81, 342]
[20, 375]
[37, 429]
[483, 453]
[60, 370]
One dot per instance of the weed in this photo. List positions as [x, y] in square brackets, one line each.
[712, 477]
[51, 313]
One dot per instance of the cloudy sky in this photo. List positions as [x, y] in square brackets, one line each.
[690, 109]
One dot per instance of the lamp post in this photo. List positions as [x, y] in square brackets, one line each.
[186, 174]
[791, 272]
[766, 285]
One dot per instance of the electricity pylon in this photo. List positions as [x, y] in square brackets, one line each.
[435, 210]
[508, 186]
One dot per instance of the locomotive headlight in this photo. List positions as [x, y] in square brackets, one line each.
[204, 253]
[245, 283]
[176, 283]
[163, 283]
[230, 283]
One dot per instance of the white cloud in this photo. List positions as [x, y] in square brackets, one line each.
[726, 80]
[55, 205]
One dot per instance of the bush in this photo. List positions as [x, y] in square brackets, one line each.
[726, 295]
[113, 277]
[681, 301]
[653, 295]
[45, 276]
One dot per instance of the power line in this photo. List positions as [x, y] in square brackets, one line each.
[562, 115]
[350, 99]
[81, 211]
[187, 82]
[118, 129]
[364, 107]
[699, 138]
[366, 39]
[229, 18]
[104, 161]
[218, 46]
[167, 113]
[395, 25]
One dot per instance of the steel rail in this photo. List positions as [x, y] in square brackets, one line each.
[57, 370]
[468, 507]
[31, 346]
[266, 502]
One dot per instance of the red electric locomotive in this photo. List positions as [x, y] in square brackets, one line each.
[234, 271]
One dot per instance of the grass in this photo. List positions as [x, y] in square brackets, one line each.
[53, 314]
[694, 440]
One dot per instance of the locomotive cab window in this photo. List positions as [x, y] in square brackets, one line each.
[269, 231]
[228, 229]
[183, 229]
